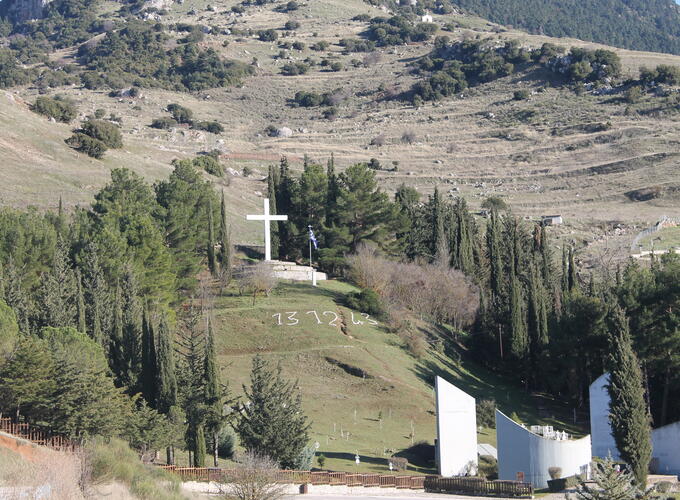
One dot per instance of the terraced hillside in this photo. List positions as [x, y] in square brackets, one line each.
[583, 156]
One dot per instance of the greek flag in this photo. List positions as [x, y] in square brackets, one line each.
[312, 238]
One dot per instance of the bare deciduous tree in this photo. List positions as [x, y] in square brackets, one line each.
[258, 279]
[254, 478]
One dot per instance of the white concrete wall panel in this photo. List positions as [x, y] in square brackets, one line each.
[520, 450]
[456, 429]
[600, 428]
[666, 445]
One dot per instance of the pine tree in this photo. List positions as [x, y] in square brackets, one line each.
[212, 262]
[273, 424]
[212, 393]
[628, 412]
[225, 256]
[495, 254]
[149, 360]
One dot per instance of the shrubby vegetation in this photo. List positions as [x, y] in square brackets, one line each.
[398, 30]
[137, 54]
[452, 67]
[59, 108]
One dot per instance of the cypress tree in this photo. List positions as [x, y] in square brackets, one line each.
[212, 392]
[628, 411]
[565, 270]
[494, 253]
[272, 186]
[332, 193]
[132, 331]
[273, 424]
[519, 336]
[437, 222]
[212, 262]
[116, 346]
[225, 244]
[80, 304]
[466, 261]
[15, 297]
[199, 448]
[96, 293]
[58, 294]
[166, 382]
[149, 360]
[572, 281]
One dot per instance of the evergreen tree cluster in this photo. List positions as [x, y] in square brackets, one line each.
[342, 209]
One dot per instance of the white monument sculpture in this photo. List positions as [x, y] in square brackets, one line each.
[522, 451]
[456, 430]
[665, 440]
[267, 218]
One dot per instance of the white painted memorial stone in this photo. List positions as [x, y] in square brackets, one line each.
[267, 218]
[456, 430]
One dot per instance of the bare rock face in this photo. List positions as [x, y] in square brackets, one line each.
[25, 10]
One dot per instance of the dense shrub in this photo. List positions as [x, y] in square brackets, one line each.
[320, 46]
[366, 301]
[86, 144]
[209, 126]
[357, 45]
[291, 25]
[164, 123]
[520, 95]
[210, 164]
[294, 68]
[269, 35]
[663, 73]
[61, 109]
[180, 113]
[11, 73]
[106, 132]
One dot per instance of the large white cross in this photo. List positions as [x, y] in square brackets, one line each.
[267, 218]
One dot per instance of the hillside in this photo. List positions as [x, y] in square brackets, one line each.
[584, 156]
[634, 24]
[362, 390]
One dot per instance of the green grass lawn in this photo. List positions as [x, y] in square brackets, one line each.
[363, 391]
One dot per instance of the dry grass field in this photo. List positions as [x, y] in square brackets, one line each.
[540, 155]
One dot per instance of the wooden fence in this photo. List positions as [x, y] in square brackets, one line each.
[36, 435]
[478, 486]
[308, 477]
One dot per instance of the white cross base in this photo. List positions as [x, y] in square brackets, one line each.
[267, 218]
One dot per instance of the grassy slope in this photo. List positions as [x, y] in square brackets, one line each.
[397, 385]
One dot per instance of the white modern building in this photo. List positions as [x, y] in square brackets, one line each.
[529, 453]
[456, 451]
[665, 440]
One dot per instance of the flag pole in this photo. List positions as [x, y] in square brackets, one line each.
[309, 237]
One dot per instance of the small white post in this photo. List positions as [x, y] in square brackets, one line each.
[313, 277]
